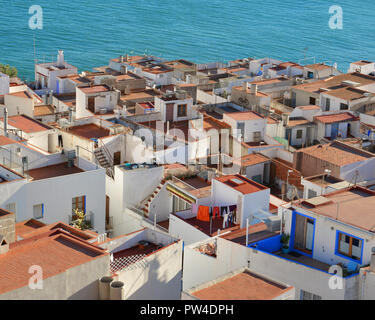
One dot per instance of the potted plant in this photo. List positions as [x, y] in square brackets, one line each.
[285, 242]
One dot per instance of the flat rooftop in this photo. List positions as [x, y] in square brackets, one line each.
[245, 115]
[207, 228]
[55, 252]
[353, 206]
[53, 171]
[89, 131]
[242, 286]
[241, 184]
[95, 89]
[323, 180]
[256, 232]
[126, 257]
[26, 124]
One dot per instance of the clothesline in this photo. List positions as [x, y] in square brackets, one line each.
[209, 213]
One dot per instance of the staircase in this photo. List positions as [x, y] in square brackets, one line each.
[102, 157]
[147, 202]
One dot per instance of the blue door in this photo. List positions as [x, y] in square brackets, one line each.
[334, 130]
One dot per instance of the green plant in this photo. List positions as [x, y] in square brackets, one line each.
[285, 240]
[79, 220]
[7, 69]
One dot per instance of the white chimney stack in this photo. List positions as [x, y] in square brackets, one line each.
[6, 122]
[60, 59]
[254, 89]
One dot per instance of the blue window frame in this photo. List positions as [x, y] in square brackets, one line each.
[307, 242]
[349, 247]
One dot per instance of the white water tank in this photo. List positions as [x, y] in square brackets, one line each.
[117, 290]
[104, 287]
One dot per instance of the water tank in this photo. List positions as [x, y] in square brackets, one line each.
[116, 290]
[104, 288]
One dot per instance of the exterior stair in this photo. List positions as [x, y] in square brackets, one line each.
[146, 206]
[103, 161]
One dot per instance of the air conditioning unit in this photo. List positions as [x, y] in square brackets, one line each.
[103, 110]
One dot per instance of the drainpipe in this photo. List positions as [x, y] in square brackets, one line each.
[247, 231]
[6, 122]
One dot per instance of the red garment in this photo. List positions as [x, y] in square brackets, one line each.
[216, 212]
[203, 213]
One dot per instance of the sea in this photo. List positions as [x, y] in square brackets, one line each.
[91, 31]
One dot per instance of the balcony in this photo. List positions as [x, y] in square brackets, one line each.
[296, 269]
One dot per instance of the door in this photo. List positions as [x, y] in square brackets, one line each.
[106, 210]
[169, 111]
[334, 130]
[117, 158]
[303, 233]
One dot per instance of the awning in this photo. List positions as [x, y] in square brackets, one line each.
[180, 194]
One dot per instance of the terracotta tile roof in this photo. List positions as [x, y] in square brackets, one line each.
[94, 89]
[251, 159]
[318, 66]
[362, 62]
[309, 107]
[43, 110]
[337, 153]
[5, 141]
[21, 94]
[354, 206]
[55, 252]
[347, 93]
[298, 121]
[241, 184]
[246, 115]
[335, 82]
[26, 124]
[338, 117]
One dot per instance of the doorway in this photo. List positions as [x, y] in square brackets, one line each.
[304, 233]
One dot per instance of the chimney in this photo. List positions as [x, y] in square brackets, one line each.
[127, 58]
[121, 59]
[254, 89]
[244, 85]
[4, 245]
[6, 122]
[70, 115]
[60, 59]
[372, 261]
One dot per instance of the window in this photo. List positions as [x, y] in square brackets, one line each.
[299, 134]
[311, 194]
[180, 205]
[182, 110]
[38, 211]
[344, 106]
[241, 128]
[328, 104]
[310, 74]
[312, 101]
[305, 295]
[79, 203]
[11, 207]
[349, 246]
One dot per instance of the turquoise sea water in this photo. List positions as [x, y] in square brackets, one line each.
[91, 31]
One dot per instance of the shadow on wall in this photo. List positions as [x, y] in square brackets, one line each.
[156, 285]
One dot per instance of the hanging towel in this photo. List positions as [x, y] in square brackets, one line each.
[216, 212]
[203, 213]
[223, 210]
[194, 208]
[225, 220]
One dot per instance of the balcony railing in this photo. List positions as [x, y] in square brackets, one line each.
[89, 219]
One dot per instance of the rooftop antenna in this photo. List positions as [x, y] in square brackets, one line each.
[35, 59]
